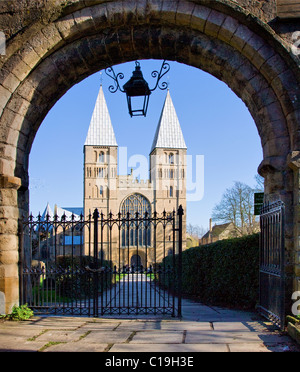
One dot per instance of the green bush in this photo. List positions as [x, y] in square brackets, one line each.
[19, 313]
[223, 273]
[76, 282]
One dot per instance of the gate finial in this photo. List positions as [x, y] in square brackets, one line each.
[180, 211]
[96, 214]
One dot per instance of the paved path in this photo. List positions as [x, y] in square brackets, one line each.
[137, 294]
[201, 328]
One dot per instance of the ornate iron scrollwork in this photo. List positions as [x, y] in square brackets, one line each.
[165, 68]
[137, 86]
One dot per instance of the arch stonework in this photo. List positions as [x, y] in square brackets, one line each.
[54, 46]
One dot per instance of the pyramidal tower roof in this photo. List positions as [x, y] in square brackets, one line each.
[168, 133]
[47, 212]
[101, 132]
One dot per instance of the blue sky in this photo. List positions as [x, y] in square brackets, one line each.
[214, 121]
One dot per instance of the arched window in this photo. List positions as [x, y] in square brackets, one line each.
[134, 232]
[101, 191]
[171, 158]
[171, 191]
[101, 157]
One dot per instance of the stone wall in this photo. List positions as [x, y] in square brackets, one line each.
[19, 15]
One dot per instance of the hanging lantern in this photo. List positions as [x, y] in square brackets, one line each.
[137, 89]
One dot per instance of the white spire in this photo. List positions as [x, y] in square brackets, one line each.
[168, 133]
[101, 132]
[47, 212]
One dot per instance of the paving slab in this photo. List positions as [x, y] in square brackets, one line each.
[137, 325]
[232, 326]
[59, 336]
[216, 337]
[102, 336]
[77, 347]
[168, 348]
[164, 325]
[186, 325]
[158, 337]
[108, 326]
[50, 323]
[234, 337]
[10, 345]
[18, 332]
[248, 348]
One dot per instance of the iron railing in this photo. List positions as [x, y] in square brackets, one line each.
[272, 263]
[81, 266]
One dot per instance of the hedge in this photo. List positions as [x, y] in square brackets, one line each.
[223, 273]
[74, 280]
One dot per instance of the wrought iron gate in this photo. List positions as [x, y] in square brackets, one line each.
[123, 265]
[272, 270]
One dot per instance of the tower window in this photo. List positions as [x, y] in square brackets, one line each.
[101, 172]
[171, 191]
[171, 158]
[101, 157]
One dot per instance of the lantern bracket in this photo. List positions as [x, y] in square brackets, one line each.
[165, 68]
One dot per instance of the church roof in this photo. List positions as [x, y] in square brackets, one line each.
[47, 212]
[60, 212]
[168, 133]
[217, 230]
[75, 210]
[101, 132]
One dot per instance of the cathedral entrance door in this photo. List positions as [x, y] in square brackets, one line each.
[135, 262]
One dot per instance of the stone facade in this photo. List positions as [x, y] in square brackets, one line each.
[53, 45]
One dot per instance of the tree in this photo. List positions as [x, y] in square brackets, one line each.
[195, 231]
[260, 181]
[237, 207]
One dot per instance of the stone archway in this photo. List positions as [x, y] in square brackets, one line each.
[58, 45]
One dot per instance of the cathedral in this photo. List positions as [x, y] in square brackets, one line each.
[123, 196]
[105, 190]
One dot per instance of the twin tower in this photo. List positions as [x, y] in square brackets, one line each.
[109, 192]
